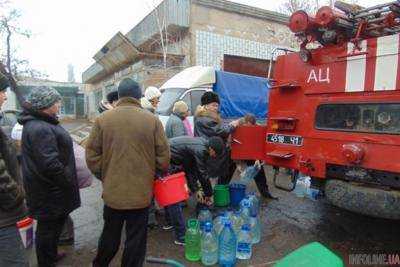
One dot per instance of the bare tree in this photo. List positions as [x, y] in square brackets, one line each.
[11, 65]
[290, 6]
[160, 12]
[310, 6]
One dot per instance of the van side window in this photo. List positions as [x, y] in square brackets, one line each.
[188, 100]
[196, 99]
[369, 118]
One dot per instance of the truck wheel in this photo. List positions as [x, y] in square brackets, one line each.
[365, 200]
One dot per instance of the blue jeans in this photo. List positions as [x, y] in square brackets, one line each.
[12, 251]
[174, 217]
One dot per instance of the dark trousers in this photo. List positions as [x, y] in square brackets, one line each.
[47, 234]
[110, 239]
[174, 217]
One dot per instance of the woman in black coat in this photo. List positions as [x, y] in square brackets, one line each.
[49, 172]
[207, 123]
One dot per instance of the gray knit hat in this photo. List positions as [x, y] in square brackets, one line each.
[129, 88]
[43, 97]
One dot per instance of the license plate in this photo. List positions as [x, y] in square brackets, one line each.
[293, 140]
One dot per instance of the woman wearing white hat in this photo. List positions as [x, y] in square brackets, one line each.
[151, 99]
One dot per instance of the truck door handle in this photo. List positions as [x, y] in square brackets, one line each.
[236, 141]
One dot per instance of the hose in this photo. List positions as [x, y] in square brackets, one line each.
[164, 261]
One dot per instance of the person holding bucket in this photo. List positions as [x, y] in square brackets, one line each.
[192, 155]
[126, 147]
[12, 206]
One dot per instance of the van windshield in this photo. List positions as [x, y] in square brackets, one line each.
[168, 99]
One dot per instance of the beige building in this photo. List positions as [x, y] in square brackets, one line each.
[182, 33]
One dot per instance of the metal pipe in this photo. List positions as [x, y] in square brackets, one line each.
[272, 58]
[378, 12]
[375, 7]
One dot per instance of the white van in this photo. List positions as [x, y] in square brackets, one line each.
[188, 85]
[239, 94]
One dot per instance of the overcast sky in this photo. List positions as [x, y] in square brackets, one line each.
[72, 31]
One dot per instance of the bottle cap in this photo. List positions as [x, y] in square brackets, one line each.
[246, 227]
[208, 227]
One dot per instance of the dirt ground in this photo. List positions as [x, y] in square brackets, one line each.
[287, 224]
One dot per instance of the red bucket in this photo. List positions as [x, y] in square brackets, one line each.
[171, 189]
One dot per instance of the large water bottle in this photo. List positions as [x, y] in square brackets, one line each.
[192, 241]
[254, 203]
[227, 246]
[300, 188]
[229, 214]
[204, 217]
[244, 243]
[249, 173]
[209, 246]
[237, 221]
[245, 212]
[255, 229]
[219, 222]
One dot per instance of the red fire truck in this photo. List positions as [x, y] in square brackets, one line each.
[334, 108]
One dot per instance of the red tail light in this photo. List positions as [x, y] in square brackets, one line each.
[300, 21]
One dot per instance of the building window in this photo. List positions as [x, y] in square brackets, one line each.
[369, 118]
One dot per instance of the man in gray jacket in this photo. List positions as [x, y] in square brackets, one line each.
[12, 206]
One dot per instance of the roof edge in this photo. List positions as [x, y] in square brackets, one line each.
[244, 9]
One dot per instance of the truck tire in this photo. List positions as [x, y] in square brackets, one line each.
[369, 201]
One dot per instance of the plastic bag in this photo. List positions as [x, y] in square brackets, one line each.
[249, 173]
[85, 177]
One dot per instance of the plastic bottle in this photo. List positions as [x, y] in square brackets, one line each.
[204, 217]
[255, 230]
[244, 243]
[245, 211]
[237, 222]
[254, 203]
[229, 214]
[192, 241]
[249, 173]
[300, 188]
[209, 246]
[219, 223]
[227, 246]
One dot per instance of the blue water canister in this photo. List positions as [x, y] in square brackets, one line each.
[204, 217]
[209, 246]
[244, 243]
[227, 246]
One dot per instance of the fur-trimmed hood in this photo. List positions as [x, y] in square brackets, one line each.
[201, 111]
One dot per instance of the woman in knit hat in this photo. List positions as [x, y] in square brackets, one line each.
[151, 99]
[49, 172]
[175, 125]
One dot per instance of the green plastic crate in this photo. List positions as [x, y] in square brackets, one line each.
[311, 255]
